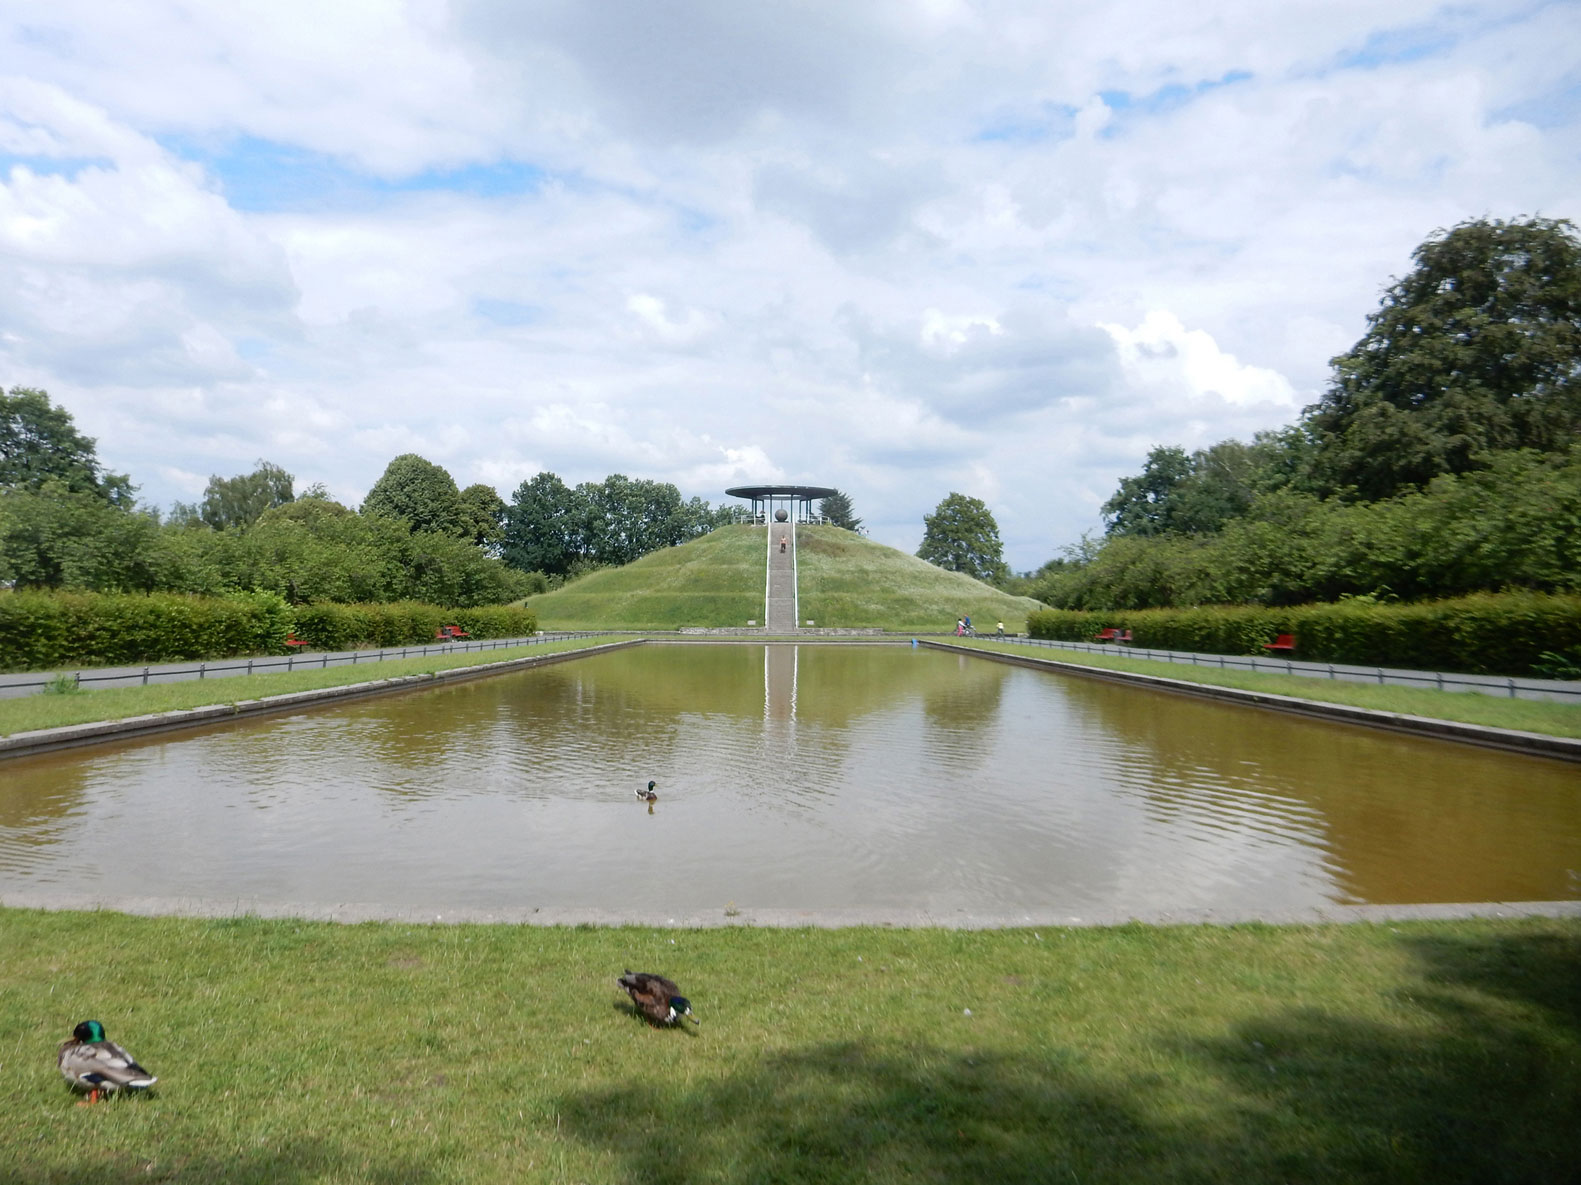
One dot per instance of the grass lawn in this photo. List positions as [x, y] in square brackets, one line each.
[850, 581]
[716, 580]
[294, 1052]
[28, 712]
[845, 581]
[1553, 719]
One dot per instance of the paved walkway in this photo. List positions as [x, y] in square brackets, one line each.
[782, 579]
[626, 915]
[31, 682]
[1567, 691]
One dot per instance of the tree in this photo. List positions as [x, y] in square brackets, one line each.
[56, 537]
[1477, 350]
[543, 526]
[239, 501]
[1146, 504]
[961, 535]
[39, 444]
[422, 493]
[837, 509]
[484, 513]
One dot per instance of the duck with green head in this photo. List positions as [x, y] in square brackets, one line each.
[98, 1065]
[657, 998]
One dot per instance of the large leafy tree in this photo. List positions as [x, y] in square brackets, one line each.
[543, 526]
[1477, 350]
[56, 537]
[484, 512]
[40, 444]
[553, 529]
[1145, 504]
[837, 509]
[239, 501]
[422, 493]
[961, 535]
[1176, 494]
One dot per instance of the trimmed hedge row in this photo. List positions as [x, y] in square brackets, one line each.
[43, 631]
[1492, 634]
[332, 626]
[40, 630]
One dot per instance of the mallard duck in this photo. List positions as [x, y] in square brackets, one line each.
[648, 795]
[657, 998]
[97, 1065]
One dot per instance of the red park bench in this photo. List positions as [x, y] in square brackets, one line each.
[1283, 644]
[450, 633]
[293, 641]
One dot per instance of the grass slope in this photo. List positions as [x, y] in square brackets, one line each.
[713, 581]
[846, 581]
[292, 1052]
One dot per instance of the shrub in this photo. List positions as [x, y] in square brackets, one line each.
[403, 623]
[1489, 633]
[42, 630]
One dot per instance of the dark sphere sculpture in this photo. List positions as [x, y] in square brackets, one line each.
[780, 516]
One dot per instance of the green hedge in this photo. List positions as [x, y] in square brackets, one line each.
[1493, 633]
[405, 623]
[41, 630]
[44, 631]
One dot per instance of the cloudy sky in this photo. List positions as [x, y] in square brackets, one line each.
[901, 247]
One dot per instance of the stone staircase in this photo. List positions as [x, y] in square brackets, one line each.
[782, 580]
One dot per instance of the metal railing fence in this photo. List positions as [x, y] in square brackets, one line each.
[1501, 685]
[319, 660]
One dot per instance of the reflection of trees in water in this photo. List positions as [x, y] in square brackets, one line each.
[961, 699]
[1402, 818]
[964, 693]
[36, 793]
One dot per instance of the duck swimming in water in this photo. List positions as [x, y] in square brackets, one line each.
[648, 795]
[657, 998]
[97, 1065]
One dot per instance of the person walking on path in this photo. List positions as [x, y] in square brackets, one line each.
[784, 539]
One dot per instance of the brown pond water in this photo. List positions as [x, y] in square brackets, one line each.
[794, 776]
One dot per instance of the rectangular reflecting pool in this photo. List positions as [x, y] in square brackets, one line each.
[793, 776]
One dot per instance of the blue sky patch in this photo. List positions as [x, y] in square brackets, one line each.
[1559, 108]
[1170, 97]
[267, 176]
[1393, 46]
[507, 313]
[53, 166]
[1049, 122]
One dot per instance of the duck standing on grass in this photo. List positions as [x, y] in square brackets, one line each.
[97, 1065]
[657, 998]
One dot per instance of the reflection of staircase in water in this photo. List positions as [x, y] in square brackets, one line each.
[780, 614]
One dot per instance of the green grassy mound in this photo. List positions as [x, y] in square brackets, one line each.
[713, 581]
[846, 581]
[850, 581]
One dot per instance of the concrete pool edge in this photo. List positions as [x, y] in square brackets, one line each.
[351, 913]
[1534, 744]
[71, 736]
